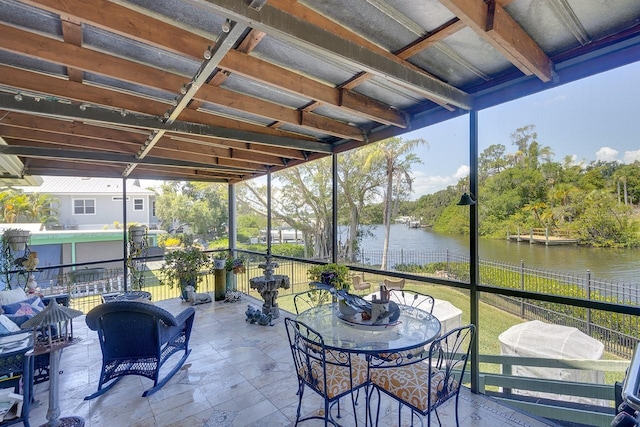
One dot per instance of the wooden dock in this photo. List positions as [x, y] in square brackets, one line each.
[544, 236]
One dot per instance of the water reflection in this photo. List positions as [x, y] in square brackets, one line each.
[621, 265]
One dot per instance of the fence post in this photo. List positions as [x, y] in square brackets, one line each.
[401, 255]
[522, 287]
[447, 263]
[589, 299]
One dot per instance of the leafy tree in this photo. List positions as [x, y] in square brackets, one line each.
[303, 202]
[604, 222]
[627, 181]
[398, 159]
[31, 207]
[199, 205]
[491, 161]
[359, 179]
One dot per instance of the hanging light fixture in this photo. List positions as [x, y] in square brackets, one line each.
[466, 200]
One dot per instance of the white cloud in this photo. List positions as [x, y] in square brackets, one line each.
[462, 172]
[631, 156]
[423, 184]
[607, 154]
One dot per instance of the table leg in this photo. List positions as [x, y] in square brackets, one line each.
[53, 413]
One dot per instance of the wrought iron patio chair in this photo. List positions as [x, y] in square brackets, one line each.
[424, 380]
[330, 373]
[312, 298]
[137, 338]
[413, 299]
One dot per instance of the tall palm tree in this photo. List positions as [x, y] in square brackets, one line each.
[398, 159]
[42, 208]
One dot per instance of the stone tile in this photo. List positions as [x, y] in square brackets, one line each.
[238, 374]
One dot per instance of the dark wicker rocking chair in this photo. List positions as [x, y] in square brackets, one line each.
[137, 338]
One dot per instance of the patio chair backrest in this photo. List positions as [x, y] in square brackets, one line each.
[312, 298]
[413, 299]
[394, 284]
[332, 374]
[424, 379]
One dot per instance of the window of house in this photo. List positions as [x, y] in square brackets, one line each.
[138, 204]
[84, 206]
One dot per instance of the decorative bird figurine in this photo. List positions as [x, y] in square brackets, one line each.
[31, 262]
[353, 301]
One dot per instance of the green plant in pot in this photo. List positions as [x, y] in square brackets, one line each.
[236, 265]
[183, 266]
[336, 275]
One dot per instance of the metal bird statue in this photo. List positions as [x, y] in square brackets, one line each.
[353, 301]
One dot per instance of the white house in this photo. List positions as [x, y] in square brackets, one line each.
[95, 203]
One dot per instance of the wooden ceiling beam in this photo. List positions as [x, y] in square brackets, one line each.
[132, 24]
[72, 33]
[72, 128]
[257, 69]
[499, 29]
[432, 38]
[223, 156]
[306, 14]
[126, 22]
[83, 93]
[61, 140]
[238, 146]
[270, 110]
[73, 56]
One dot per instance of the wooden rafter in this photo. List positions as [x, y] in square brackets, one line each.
[495, 26]
[145, 29]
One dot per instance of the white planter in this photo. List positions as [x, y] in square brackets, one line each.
[137, 234]
[17, 239]
[218, 264]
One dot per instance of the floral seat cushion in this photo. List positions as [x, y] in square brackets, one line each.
[341, 378]
[409, 383]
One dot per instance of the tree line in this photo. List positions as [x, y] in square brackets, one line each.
[597, 202]
[524, 188]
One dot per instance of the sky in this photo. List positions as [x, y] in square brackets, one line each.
[595, 118]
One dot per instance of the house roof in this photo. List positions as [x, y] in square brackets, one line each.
[227, 90]
[87, 185]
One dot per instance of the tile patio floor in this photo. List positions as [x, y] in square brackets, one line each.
[238, 374]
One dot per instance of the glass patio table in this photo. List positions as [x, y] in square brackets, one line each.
[412, 329]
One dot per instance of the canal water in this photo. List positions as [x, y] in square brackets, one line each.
[618, 265]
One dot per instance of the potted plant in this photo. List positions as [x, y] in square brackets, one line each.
[183, 266]
[16, 238]
[220, 261]
[235, 265]
[336, 275]
[137, 234]
[232, 266]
